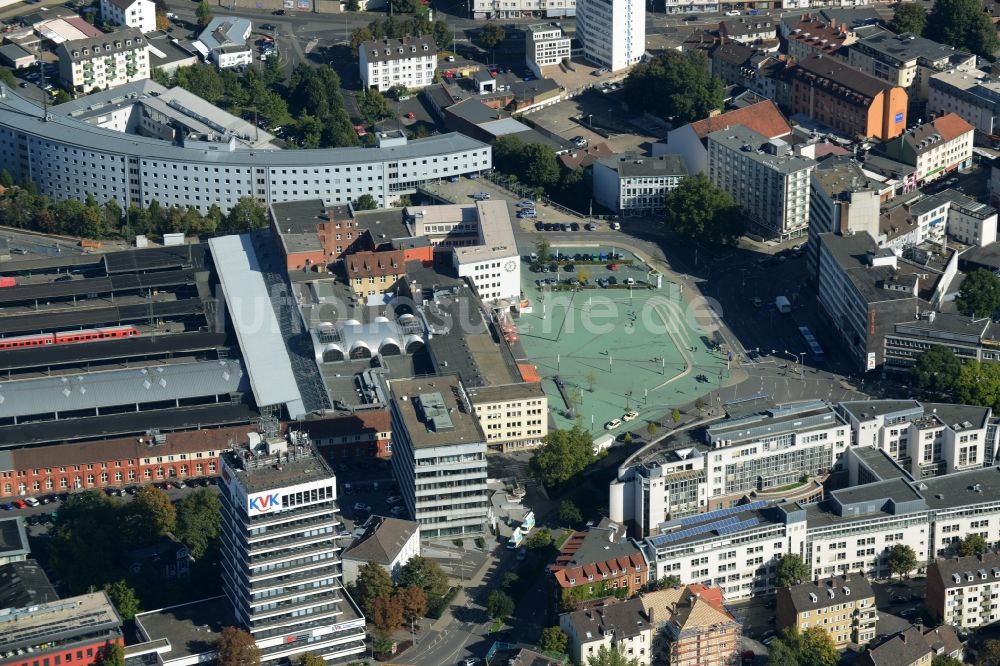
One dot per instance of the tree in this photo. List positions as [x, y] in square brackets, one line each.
[542, 248]
[123, 596]
[553, 640]
[972, 544]
[7, 77]
[112, 654]
[944, 660]
[6, 180]
[443, 35]
[310, 659]
[609, 656]
[699, 210]
[374, 106]
[791, 571]
[788, 648]
[386, 615]
[901, 560]
[412, 601]
[819, 649]
[235, 647]
[563, 455]
[964, 25]
[491, 35]
[425, 574]
[536, 163]
[204, 13]
[674, 86]
[667, 582]
[365, 202]
[372, 582]
[499, 605]
[651, 428]
[627, 438]
[203, 80]
[353, 6]
[936, 369]
[989, 654]
[591, 379]
[198, 516]
[675, 415]
[245, 215]
[979, 295]
[162, 22]
[910, 17]
[540, 538]
[147, 517]
[569, 513]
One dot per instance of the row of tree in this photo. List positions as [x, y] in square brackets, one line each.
[676, 87]
[959, 23]
[395, 27]
[971, 383]
[536, 165]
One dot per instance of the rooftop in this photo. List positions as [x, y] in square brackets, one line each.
[960, 489]
[842, 174]
[965, 571]
[821, 34]
[382, 541]
[386, 50]
[636, 165]
[274, 464]
[300, 224]
[874, 283]
[904, 649]
[689, 607]
[126, 39]
[763, 118]
[826, 592]
[879, 462]
[503, 392]
[747, 25]
[827, 71]
[907, 46]
[224, 31]
[13, 538]
[436, 411]
[57, 621]
[734, 53]
[775, 154]
[624, 619]
[24, 584]
[191, 629]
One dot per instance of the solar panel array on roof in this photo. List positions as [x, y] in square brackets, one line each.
[721, 513]
[738, 527]
[694, 531]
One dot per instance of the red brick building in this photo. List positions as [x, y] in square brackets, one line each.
[117, 462]
[67, 632]
[365, 434]
[601, 561]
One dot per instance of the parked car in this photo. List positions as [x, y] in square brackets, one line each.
[612, 424]
[409, 115]
[179, 484]
[630, 281]
[591, 226]
[21, 504]
[393, 499]
[7, 506]
[575, 226]
[525, 203]
[630, 415]
[31, 501]
[733, 12]
[398, 510]
[361, 506]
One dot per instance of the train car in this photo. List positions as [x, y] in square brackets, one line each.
[91, 334]
[24, 341]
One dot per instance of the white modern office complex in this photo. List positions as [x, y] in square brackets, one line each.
[409, 62]
[545, 45]
[280, 559]
[139, 14]
[68, 159]
[768, 180]
[634, 184]
[512, 416]
[107, 61]
[439, 456]
[613, 32]
[517, 8]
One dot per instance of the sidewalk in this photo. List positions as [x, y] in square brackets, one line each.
[462, 599]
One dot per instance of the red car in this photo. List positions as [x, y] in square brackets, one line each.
[410, 116]
[360, 129]
[21, 504]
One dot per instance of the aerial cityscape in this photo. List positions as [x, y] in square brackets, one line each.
[516, 333]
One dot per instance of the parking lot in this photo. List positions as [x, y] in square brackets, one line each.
[594, 115]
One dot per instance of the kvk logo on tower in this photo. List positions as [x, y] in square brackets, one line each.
[264, 502]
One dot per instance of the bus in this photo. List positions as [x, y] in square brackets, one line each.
[814, 349]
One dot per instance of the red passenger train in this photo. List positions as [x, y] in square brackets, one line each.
[68, 337]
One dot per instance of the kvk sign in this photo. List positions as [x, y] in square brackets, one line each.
[263, 503]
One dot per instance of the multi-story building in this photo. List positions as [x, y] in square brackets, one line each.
[815, 35]
[622, 626]
[907, 61]
[135, 170]
[842, 606]
[599, 561]
[77, 631]
[967, 338]
[974, 95]
[409, 62]
[389, 542]
[749, 29]
[633, 184]
[366, 433]
[545, 45]
[225, 40]
[513, 416]
[741, 65]
[107, 61]
[13, 541]
[765, 177]
[613, 32]
[279, 555]
[935, 149]
[907, 648]
[963, 591]
[139, 14]
[847, 100]
[494, 9]
[439, 456]
[698, 628]
[371, 274]
[843, 199]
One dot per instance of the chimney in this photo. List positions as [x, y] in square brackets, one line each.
[651, 614]
[833, 23]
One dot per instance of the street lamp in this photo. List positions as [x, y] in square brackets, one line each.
[800, 356]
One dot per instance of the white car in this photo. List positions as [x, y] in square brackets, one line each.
[733, 12]
[31, 501]
[629, 281]
[630, 415]
[612, 424]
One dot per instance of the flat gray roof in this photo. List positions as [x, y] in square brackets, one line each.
[191, 629]
[13, 538]
[636, 165]
[739, 136]
[879, 462]
[249, 305]
[464, 424]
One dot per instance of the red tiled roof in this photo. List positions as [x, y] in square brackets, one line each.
[375, 264]
[952, 126]
[763, 118]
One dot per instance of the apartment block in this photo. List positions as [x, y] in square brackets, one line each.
[497, 9]
[842, 606]
[698, 628]
[139, 14]
[767, 179]
[815, 35]
[749, 29]
[439, 456]
[967, 338]
[843, 199]
[107, 61]
[935, 149]
[907, 648]
[74, 632]
[601, 561]
[963, 591]
[545, 45]
[371, 274]
[974, 95]
[634, 184]
[613, 32]
[621, 626]
[513, 416]
[409, 62]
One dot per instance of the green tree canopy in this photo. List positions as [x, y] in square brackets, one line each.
[563, 455]
[944, 660]
[540, 538]
[372, 582]
[491, 34]
[198, 517]
[978, 383]
[667, 582]
[365, 202]
[791, 571]
[901, 559]
[147, 517]
[425, 574]
[235, 647]
[979, 295]
[818, 648]
[204, 13]
[699, 210]
[7, 77]
[962, 24]
[674, 86]
[937, 369]
[553, 640]
[203, 80]
[534, 163]
[123, 596]
[569, 513]
[989, 653]
[609, 656]
[499, 605]
[310, 659]
[909, 17]
[245, 215]
[112, 654]
[972, 544]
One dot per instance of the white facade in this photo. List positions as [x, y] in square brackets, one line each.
[232, 57]
[484, 9]
[964, 591]
[974, 95]
[767, 180]
[513, 417]
[104, 62]
[545, 45]
[632, 184]
[622, 627]
[139, 14]
[392, 561]
[409, 62]
[613, 32]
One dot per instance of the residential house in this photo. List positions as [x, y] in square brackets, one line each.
[139, 14]
[815, 35]
[842, 606]
[409, 62]
[960, 590]
[749, 30]
[596, 562]
[697, 627]
[935, 149]
[108, 61]
[225, 39]
[371, 274]
[388, 542]
[907, 648]
[622, 626]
